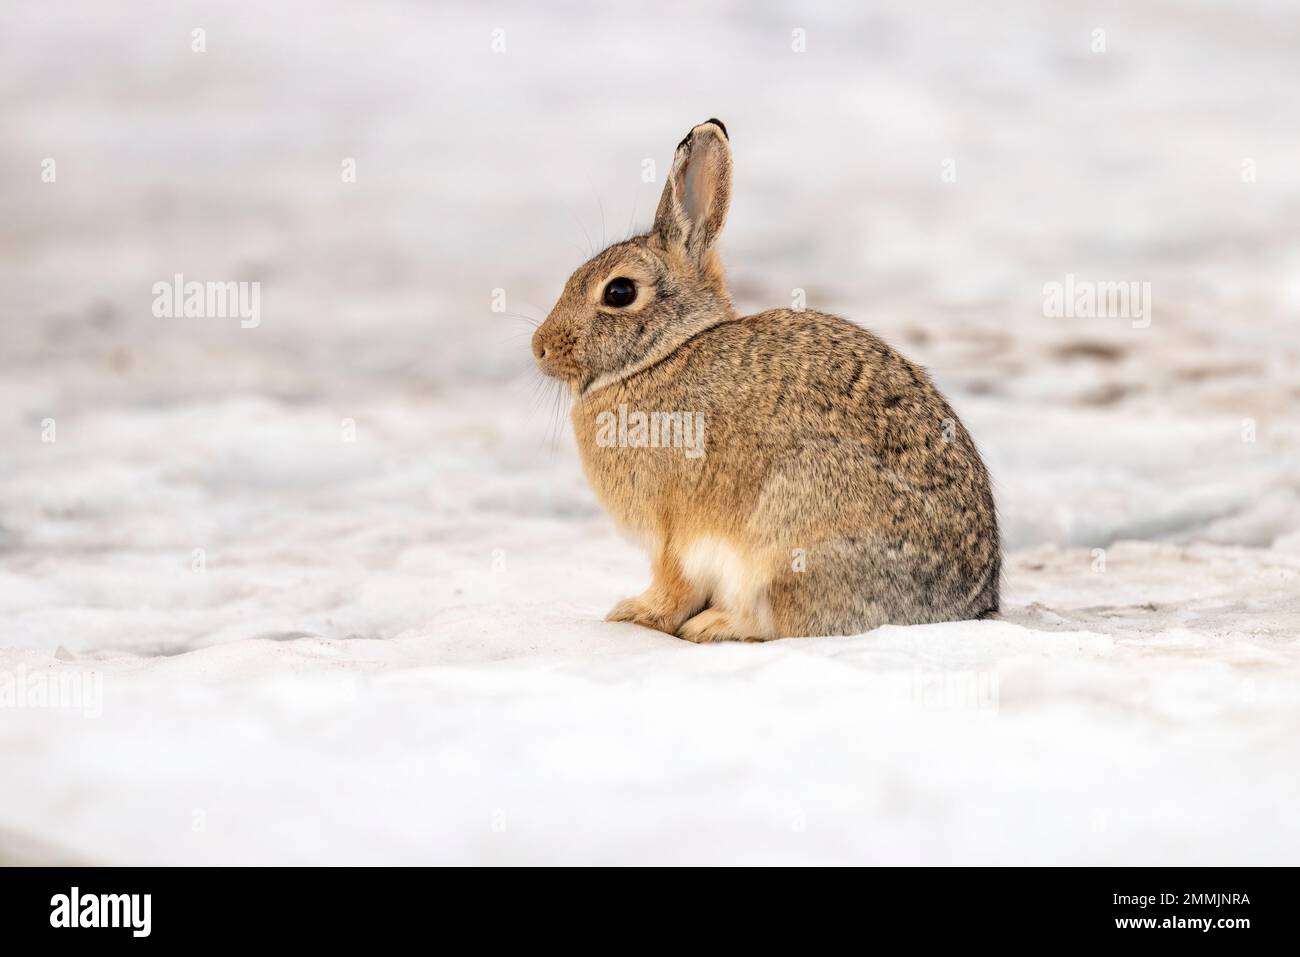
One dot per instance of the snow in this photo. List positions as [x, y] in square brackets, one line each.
[390, 650]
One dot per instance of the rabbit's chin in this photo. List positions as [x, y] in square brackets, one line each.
[595, 382]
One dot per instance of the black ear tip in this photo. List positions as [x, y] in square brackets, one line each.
[712, 120]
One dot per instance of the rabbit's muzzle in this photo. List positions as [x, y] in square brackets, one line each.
[553, 349]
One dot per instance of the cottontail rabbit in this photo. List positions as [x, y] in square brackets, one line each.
[789, 472]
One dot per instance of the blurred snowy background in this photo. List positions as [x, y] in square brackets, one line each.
[390, 649]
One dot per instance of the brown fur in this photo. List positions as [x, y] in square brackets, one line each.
[837, 490]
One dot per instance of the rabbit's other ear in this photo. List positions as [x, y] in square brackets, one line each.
[694, 204]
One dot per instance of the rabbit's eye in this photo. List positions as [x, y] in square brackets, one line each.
[620, 292]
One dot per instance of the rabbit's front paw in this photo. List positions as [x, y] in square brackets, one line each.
[712, 624]
[640, 612]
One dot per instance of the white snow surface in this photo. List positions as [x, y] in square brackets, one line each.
[391, 650]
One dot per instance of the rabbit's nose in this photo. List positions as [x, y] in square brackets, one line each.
[539, 345]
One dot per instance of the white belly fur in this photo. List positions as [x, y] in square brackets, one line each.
[735, 585]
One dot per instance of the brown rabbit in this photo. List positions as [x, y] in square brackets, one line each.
[789, 472]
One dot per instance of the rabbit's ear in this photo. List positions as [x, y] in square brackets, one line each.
[694, 204]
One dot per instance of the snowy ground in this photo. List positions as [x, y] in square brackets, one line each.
[303, 649]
